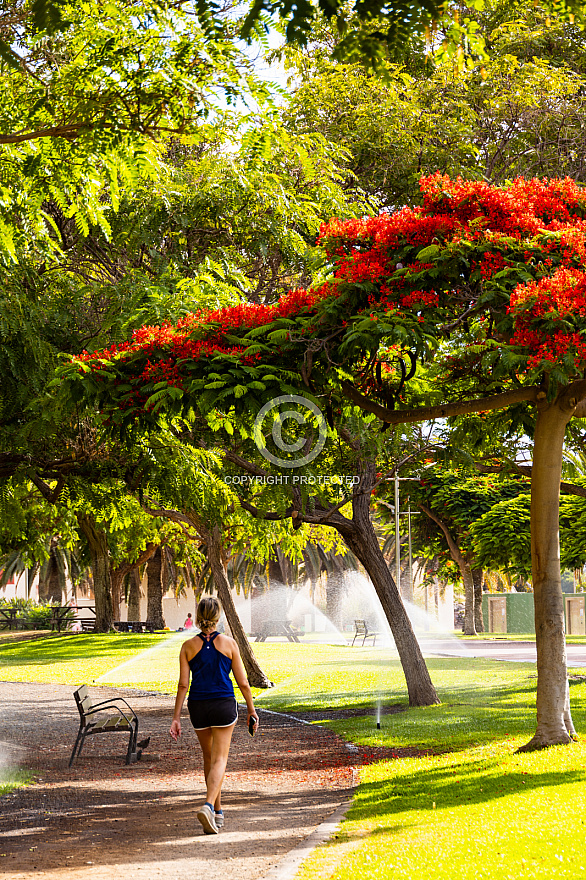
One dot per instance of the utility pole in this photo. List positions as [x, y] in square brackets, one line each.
[398, 536]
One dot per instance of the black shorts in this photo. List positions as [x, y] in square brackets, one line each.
[213, 713]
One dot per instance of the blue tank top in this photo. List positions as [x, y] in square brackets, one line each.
[210, 673]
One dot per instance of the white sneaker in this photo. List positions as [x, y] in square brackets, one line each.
[206, 817]
[219, 818]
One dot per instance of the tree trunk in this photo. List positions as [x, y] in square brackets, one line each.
[155, 590]
[554, 721]
[119, 573]
[360, 536]
[44, 595]
[213, 539]
[50, 582]
[477, 579]
[117, 579]
[100, 556]
[364, 544]
[169, 573]
[465, 571]
[31, 575]
[134, 595]
[54, 588]
[256, 676]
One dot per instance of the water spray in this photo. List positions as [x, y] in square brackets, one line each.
[139, 666]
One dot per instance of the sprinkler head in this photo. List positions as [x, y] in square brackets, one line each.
[378, 725]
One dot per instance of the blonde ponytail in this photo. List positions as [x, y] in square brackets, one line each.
[209, 612]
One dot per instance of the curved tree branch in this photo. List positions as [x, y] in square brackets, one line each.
[525, 471]
[441, 411]
[69, 132]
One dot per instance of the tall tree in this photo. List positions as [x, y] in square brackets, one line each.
[87, 104]
[499, 272]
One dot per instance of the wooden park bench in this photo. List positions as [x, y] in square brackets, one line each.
[107, 716]
[361, 629]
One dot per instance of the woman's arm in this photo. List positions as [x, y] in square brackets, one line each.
[182, 689]
[242, 682]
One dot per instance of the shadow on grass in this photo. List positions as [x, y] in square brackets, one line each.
[453, 786]
[470, 694]
[469, 716]
[74, 647]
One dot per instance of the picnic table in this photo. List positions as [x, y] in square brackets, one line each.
[276, 628]
[16, 618]
[87, 623]
[59, 617]
[134, 626]
[8, 618]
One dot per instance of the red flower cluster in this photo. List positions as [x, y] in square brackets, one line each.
[377, 259]
[525, 207]
[546, 314]
[491, 264]
[246, 316]
[420, 298]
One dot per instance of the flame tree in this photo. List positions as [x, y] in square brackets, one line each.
[472, 302]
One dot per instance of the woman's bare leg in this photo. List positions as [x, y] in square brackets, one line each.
[205, 738]
[215, 745]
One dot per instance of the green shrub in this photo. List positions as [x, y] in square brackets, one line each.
[34, 615]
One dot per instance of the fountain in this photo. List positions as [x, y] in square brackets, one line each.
[356, 599]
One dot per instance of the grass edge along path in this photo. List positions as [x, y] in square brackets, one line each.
[12, 778]
[496, 814]
[463, 805]
[467, 806]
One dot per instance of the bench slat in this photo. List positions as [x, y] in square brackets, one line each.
[104, 721]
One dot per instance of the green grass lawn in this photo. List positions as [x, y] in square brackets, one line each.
[129, 660]
[472, 808]
[483, 813]
[468, 807]
[11, 778]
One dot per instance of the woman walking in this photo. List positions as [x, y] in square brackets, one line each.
[208, 657]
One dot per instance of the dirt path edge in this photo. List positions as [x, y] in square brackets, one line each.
[291, 863]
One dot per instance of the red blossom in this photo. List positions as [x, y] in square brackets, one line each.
[537, 226]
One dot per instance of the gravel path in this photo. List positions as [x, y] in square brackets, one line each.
[108, 819]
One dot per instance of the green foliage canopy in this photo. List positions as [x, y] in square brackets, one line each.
[481, 284]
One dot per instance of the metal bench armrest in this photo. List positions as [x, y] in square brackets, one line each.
[87, 716]
[104, 704]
